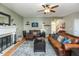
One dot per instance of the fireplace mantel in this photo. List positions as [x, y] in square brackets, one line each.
[4, 30]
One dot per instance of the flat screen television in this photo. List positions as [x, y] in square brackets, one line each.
[34, 24]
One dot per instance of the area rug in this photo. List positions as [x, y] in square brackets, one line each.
[26, 49]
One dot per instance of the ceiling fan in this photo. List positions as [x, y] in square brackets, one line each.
[48, 8]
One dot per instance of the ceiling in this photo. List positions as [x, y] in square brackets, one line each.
[31, 9]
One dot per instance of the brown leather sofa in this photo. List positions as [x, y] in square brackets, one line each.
[65, 49]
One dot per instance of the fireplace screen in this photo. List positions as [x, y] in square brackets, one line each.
[5, 42]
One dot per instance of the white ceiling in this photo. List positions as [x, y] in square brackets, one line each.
[31, 9]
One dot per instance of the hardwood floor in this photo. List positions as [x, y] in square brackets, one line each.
[12, 50]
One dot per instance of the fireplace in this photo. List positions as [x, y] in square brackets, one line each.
[5, 42]
[7, 37]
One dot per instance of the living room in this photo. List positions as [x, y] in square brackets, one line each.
[26, 17]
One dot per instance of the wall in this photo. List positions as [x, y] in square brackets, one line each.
[40, 20]
[18, 20]
[70, 22]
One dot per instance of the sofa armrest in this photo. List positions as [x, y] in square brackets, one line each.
[69, 46]
[55, 43]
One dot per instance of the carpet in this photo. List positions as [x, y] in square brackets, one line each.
[26, 49]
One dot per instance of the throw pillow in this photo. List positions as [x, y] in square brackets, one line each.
[66, 40]
[60, 38]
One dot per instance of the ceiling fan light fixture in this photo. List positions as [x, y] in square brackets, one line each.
[47, 10]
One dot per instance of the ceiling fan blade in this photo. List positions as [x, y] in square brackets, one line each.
[52, 11]
[55, 6]
[47, 5]
[43, 6]
[40, 10]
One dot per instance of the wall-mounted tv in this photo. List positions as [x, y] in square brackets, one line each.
[34, 24]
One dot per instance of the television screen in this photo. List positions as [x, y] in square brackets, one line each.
[34, 24]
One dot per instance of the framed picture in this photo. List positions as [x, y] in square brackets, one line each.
[27, 23]
[34, 24]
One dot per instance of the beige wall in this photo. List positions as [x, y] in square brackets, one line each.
[18, 20]
[40, 21]
[69, 20]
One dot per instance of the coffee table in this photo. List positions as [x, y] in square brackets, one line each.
[39, 45]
